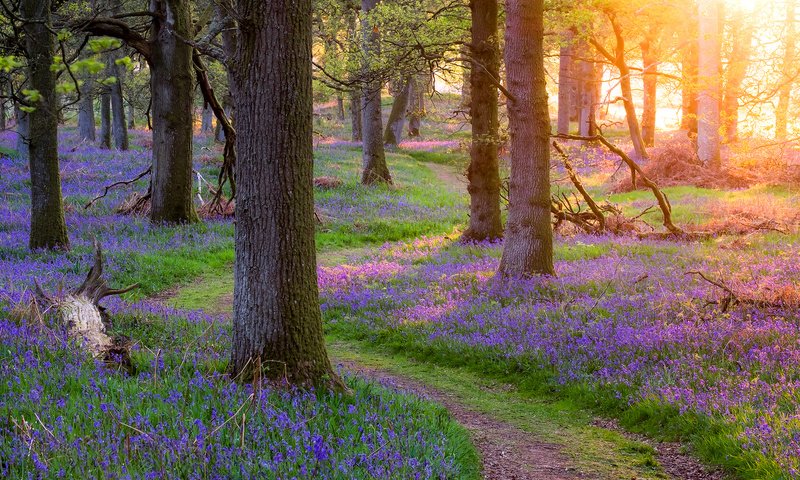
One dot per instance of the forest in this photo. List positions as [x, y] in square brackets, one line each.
[400, 239]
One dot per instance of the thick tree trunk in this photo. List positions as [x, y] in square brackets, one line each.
[172, 87]
[650, 62]
[374, 168]
[105, 119]
[742, 37]
[787, 74]
[207, 122]
[483, 173]
[48, 228]
[277, 326]
[119, 126]
[86, 123]
[528, 248]
[416, 106]
[708, 101]
[397, 116]
[340, 106]
[566, 84]
[23, 130]
[355, 115]
[587, 122]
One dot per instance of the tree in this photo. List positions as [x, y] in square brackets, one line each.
[397, 116]
[787, 72]
[374, 169]
[649, 110]
[277, 324]
[741, 38]
[86, 123]
[169, 56]
[528, 248]
[119, 126]
[105, 118]
[483, 173]
[708, 100]
[566, 82]
[48, 227]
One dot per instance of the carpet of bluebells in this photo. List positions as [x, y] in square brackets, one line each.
[63, 415]
[623, 318]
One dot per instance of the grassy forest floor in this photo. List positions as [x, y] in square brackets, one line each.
[624, 338]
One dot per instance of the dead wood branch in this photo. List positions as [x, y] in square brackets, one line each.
[108, 188]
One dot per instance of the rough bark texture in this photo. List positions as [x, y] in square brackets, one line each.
[650, 62]
[340, 107]
[355, 115]
[742, 37]
[86, 123]
[171, 84]
[119, 126]
[709, 69]
[277, 326]
[587, 121]
[131, 116]
[48, 228]
[105, 119]
[565, 84]
[397, 116]
[789, 54]
[23, 129]
[374, 168]
[483, 173]
[528, 248]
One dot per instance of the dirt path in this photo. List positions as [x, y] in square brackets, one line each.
[454, 180]
[507, 453]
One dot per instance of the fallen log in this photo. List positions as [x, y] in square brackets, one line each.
[86, 321]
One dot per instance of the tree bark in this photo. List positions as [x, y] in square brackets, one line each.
[709, 69]
[528, 248]
[689, 60]
[105, 118]
[787, 74]
[23, 131]
[566, 84]
[374, 168]
[206, 124]
[650, 62]
[119, 126]
[397, 116]
[131, 116]
[340, 106]
[416, 106]
[742, 37]
[483, 173]
[587, 121]
[277, 326]
[86, 123]
[355, 115]
[172, 87]
[48, 227]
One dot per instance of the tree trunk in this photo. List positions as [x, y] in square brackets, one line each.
[23, 128]
[689, 88]
[787, 74]
[207, 122]
[742, 37]
[650, 62]
[566, 84]
[119, 126]
[708, 101]
[172, 87]
[277, 325]
[416, 106]
[483, 173]
[340, 106]
[105, 118]
[587, 122]
[355, 115]
[397, 116]
[48, 228]
[374, 168]
[528, 248]
[86, 123]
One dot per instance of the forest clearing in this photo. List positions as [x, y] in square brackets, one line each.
[399, 240]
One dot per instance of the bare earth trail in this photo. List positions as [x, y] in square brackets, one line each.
[509, 450]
